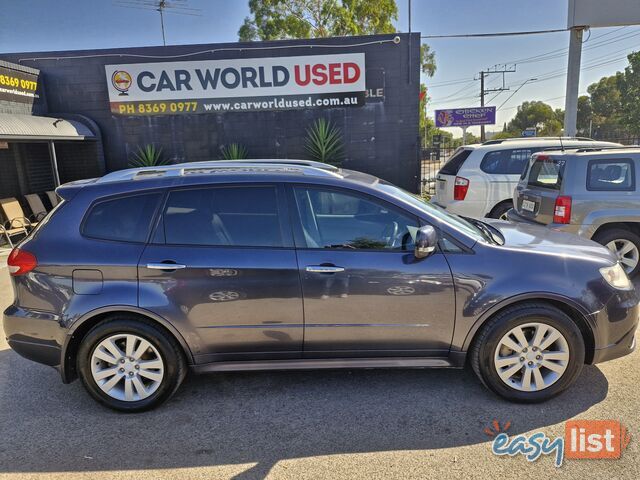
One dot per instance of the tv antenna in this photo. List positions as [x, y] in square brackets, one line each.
[179, 7]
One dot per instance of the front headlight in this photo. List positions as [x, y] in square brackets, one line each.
[616, 277]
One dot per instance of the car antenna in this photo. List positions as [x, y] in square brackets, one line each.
[561, 144]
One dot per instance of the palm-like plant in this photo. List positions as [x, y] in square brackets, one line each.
[234, 151]
[324, 142]
[148, 156]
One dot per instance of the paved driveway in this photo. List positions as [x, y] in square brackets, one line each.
[328, 424]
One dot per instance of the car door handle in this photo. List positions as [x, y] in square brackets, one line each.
[324, 269]
[165, 266]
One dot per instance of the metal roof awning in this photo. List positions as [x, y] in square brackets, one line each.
[15, 126]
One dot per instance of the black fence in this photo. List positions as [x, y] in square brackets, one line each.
[431, 160]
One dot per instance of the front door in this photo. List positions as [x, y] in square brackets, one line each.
[223, 269]
[365, 293]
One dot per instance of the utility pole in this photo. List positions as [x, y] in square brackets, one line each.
[573, 81]
[501, 69]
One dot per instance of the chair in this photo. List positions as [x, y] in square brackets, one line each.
[53, 198]
[37, 207]
[17, 223]
[14, 214]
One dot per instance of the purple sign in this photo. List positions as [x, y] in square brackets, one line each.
[466, 117]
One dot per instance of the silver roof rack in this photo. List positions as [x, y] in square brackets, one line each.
[518, 139]
[300, 167]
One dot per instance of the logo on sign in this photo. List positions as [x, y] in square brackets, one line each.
[121, 81]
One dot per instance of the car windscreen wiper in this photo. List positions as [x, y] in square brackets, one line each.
[485, 230]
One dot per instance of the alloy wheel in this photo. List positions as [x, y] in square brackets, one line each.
[627, 253]
[127, 367]
[531, 357]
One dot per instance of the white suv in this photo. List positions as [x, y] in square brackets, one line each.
[478, 180]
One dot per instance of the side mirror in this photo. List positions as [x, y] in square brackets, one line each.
[426, 241]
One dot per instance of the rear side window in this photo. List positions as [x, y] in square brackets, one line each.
[547, 172]
[125, 219]
[507, 162]
[611, 175]
[452, 167]
[245, 216]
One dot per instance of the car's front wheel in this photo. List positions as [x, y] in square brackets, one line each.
[528, 353]
[625, 244]
[130, 364]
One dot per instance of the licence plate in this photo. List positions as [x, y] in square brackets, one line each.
[528, 205]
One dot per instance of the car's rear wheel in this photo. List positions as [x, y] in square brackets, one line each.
[129, 364]
[528, 353]
[500, 210]
[625, 244]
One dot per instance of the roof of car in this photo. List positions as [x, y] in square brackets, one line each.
[253, 166]
[218, 170]
[509, 143]
[597, 151]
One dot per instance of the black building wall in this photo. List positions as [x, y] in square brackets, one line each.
[380, 138]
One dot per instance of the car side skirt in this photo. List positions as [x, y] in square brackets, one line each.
[328, 363]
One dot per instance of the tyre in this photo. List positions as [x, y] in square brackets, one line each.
[500, 210]
[129, 364]
[528, 353]
[625, 244]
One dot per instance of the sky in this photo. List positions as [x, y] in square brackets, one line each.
[44, 25]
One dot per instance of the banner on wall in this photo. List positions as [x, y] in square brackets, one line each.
[239, 85]
[17, 86]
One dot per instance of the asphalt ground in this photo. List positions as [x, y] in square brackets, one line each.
[297, 425]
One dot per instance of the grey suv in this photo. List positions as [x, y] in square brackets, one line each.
[144, 274]
[592, 192]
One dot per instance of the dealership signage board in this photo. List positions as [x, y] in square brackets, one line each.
[603, 13]
[17, 86]
[238, 85]
[465, 117]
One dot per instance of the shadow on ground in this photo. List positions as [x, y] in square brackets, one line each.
[261, 418]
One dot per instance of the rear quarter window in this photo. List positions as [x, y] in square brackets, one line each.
[452, 167]
[507, 162]
[125, 219]
[611, 175]
[547, 172]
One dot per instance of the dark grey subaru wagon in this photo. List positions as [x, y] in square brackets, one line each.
[144, 274]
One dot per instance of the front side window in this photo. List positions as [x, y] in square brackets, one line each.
[611, 175]
[125, 219]
[340, 219]
[507, 162]
[245, 216]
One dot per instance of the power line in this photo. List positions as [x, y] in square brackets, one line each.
[496, 34]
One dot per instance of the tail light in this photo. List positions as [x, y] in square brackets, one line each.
[562, 210]
[460, 188]
[21, 262]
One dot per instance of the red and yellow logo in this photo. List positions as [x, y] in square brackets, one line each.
[121, 81]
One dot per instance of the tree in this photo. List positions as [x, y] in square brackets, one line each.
[605, 100]
[282, 19]
[427, 60]
[629, 84]
[547, 121]
[584, 115]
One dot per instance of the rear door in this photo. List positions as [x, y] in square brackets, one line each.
[221, 266]
[446, 177]
[535, 195]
